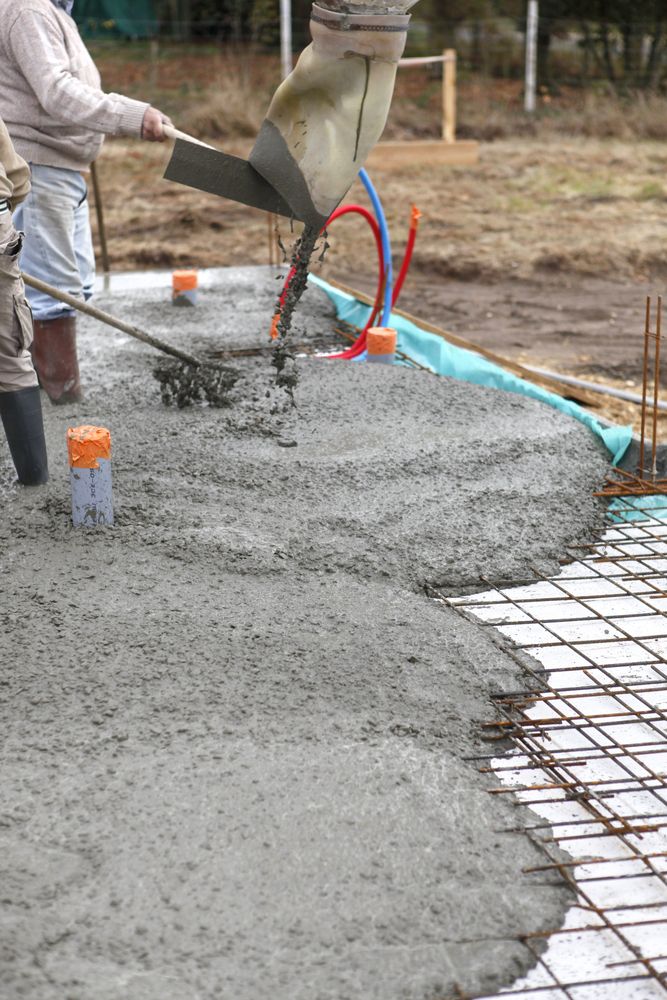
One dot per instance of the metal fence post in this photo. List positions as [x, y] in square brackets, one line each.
[286, 37]
[529, 101]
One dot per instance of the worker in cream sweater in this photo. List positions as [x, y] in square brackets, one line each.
[20, 405]
[57, 116]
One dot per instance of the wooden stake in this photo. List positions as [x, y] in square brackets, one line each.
[100, 218]
[449, 96]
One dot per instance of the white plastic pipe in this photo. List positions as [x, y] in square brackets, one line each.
[286, 37]
[531, 57]
[604, 390]
[89, 453]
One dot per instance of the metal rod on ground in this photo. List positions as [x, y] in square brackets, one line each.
[656, 390]
[580, 383]
[529, 101]
[118, 324]
[99, 212]
[642, 434]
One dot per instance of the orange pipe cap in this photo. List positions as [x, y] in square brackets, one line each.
[184, 281]
[381, 340]
[87, 444]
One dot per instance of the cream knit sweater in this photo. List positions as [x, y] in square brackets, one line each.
[14, 172]
[50, 97]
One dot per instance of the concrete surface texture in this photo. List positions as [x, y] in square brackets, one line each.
[235, 728]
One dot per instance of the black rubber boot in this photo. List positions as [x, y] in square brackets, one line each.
[21, 415]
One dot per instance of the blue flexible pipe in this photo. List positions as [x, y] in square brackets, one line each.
[386, 245]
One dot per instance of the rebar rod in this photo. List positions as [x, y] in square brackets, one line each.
[610, 806]
[642, 435]
[656, 391]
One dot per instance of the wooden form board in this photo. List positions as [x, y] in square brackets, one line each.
[586, 396]
[388, 155]
[444, 152]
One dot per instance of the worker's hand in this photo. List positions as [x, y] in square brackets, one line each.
[151, 127]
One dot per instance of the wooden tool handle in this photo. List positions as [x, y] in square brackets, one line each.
[174, 133]
[105, 317]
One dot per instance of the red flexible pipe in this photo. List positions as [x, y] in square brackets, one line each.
[359, 344]
[407, 259]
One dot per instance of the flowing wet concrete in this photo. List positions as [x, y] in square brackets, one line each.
[235, 728]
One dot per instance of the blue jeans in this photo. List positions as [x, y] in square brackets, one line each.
[58, 244]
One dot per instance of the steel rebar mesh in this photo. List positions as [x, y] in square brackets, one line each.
[590, 754]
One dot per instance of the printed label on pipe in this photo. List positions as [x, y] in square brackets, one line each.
[89, 452]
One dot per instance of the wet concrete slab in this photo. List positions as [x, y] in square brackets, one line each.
[236, 730]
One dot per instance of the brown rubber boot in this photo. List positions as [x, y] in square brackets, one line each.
[54, 356]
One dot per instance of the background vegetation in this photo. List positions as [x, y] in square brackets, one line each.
[622, 42]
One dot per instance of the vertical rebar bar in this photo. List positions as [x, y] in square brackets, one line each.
[642, 441]
[656, 390]
[271, 224]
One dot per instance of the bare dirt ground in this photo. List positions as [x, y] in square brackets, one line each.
[543, 252]
[500, 285]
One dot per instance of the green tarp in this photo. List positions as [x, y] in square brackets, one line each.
[115, 18]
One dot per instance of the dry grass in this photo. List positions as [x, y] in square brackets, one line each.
[575, 207]
[235, 103]
[493, 109]
[490, 112]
